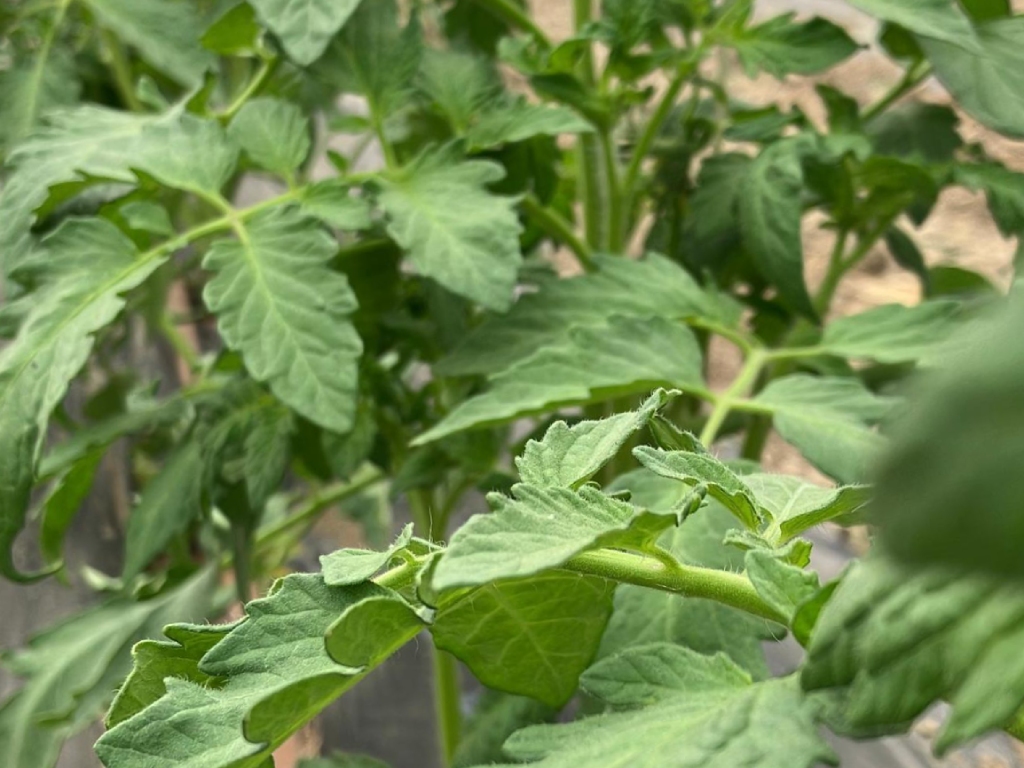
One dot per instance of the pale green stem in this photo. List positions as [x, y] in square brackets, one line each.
[910, 80]
[447, 703]
[559, 229]
[515, 16]
[263, 74]
[739, 388]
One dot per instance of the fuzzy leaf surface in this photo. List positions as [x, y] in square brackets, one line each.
[455, 231]
[627, 356]
[274, 133]
[73, 668]
[983, 80]
[83, 270]
[649, 287]
[645, 615]
[305, 27]
[827, 419]
[898, 639]
[288, 314]
[892, 333]
[568, 456]
[532, 636]
[680, 709]
[276, 674]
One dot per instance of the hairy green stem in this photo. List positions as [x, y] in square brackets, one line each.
[651, 129]
[834, 274]
[447, 703]
[515, 16]
[593, 191]
[614, 191]
[739, 388]
[558, 229]
[645, 571]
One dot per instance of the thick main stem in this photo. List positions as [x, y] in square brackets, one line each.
[721, 586]
[447, 703]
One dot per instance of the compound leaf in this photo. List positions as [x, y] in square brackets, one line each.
[723, 485]
[569, 456]
[650, 287]
[984, 81]
[629, 355]
[305, 27]
[892, 333]
[828, 420]
[274, 133]
[532, 636]
[932, 19]
[895, 640]
[172, 500]
[645, 615]
[968, 414]
[680, 708]
[781, 46]
[83, 269]
[166, 34]
[770, 214]
[288, 314]
[73, 668]
[455, 231]
[274, 673]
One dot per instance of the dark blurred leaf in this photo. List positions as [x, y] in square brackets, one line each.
[782, 47]
[917, 131]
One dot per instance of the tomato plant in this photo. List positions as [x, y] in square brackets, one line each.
[347, 333]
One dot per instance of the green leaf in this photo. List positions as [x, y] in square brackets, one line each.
[187, 153]
[274, 133]
[331, 201]
[795, 506]
[63, 502]
[532, 637]
[88, 140]
[906, 253]
[703, 469]
[932, 19]
[770, 214]
[519, 121]
[984, 82]
[83, 269]
[156, 660]
[274, 674]
[73, 668]
[234, 33]
[951, 490]
[145, 216]
[352, 566]
[923, 133]
[1004, 190]
[782, 586]
[781, 46]
[32, 89]
[892, 333]
[172, 500]
[895, 640]
[827, 420]
[983, 10]
[370, 630]
[680, 708]
[455, 231]
[496, 717]
[645, 615]
[375, 57]
[627, 356]
[166, 34]
[535, 530]
[288, 314]
[649, 287]
[569, 456]
[461, 85]
[141, 414]
[305, 27]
